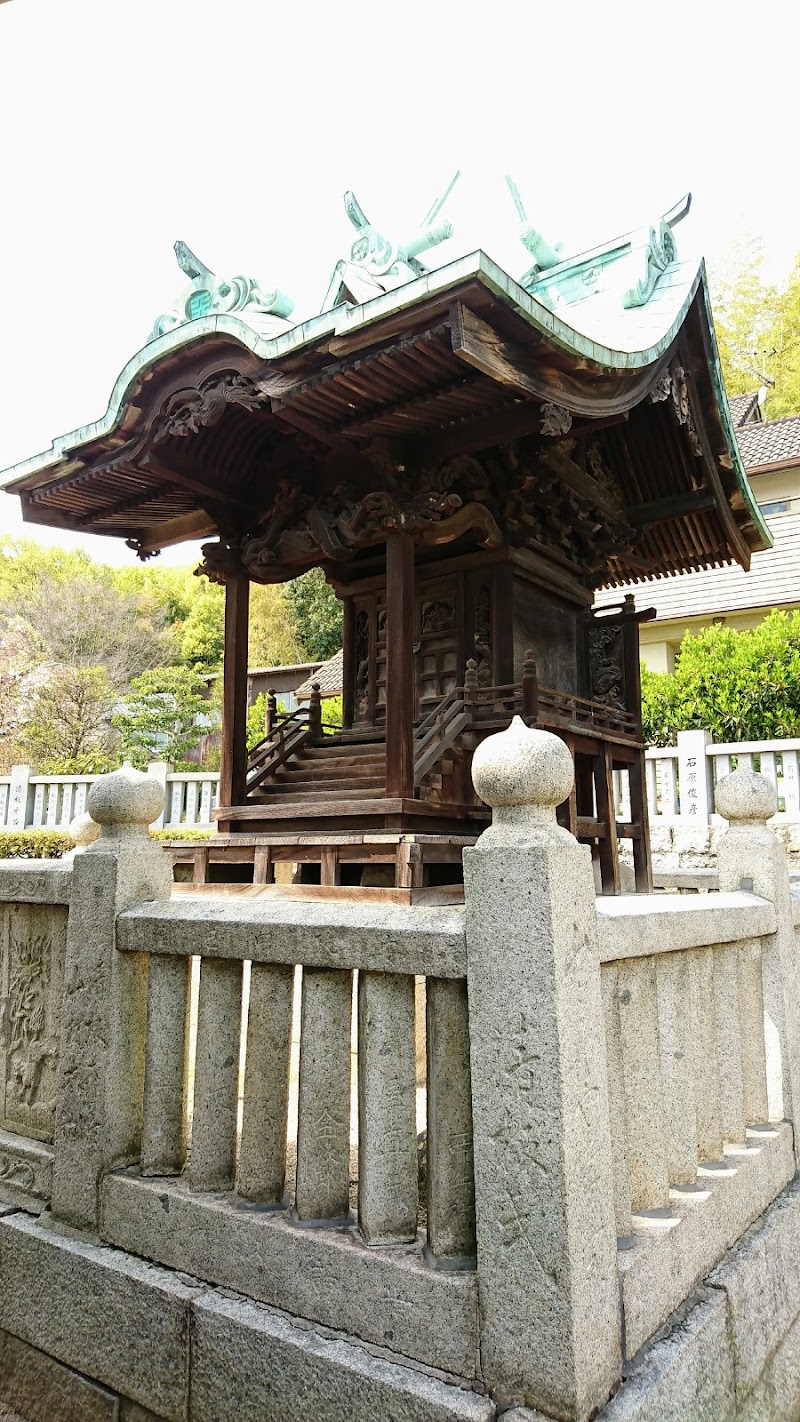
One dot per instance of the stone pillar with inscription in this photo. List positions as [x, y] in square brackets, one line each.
[546, 1237]
[101, 1069]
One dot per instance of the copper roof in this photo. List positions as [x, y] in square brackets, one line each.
[770, 442]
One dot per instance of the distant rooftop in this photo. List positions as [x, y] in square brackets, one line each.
[745, 409]
[770, 442]
[330, 677]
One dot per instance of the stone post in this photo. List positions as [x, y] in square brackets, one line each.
[101, 1069]
[544, 1198]
[19, 796]
[159, 770]
[750, 856]
[694, 779]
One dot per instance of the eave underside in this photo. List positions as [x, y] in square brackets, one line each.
[211, 436]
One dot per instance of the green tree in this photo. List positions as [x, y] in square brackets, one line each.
[165, 716]
[202, 634]
[317, 615]
[758, 326]
[66, 727]
[274, 639]
[740, 686]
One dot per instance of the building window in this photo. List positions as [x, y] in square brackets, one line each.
[774, 506]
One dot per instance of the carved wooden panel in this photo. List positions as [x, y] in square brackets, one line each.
[438, 638]
[32, 946]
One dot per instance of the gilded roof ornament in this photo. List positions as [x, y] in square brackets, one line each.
[210, 295]
[378, 264]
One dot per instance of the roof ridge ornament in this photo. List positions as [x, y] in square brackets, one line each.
[376, 263]
[532, 240]
[212, 295]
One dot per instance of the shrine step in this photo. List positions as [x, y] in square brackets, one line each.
[284, 795]
[297, 780]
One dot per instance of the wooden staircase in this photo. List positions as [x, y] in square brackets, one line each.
[325, 774]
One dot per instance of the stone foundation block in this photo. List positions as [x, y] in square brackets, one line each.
[121, 1321]
[776, 1396]
[762, 1285]
[45, 1391]
[383, 1296]
[685, 1377]
[252, 1364]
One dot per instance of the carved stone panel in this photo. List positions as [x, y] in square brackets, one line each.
[32, 945]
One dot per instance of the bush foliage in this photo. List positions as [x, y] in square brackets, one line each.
[740, 686]
[34, 844]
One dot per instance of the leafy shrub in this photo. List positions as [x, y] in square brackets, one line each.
[168, 836]
[740, 686]
[34, 844]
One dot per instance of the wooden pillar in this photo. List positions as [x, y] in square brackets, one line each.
[400, 688]
[348, 663]
[233, 760]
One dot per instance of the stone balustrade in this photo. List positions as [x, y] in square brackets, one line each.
[31, 801]
[227, 1089]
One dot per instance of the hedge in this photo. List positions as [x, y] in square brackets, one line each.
[51, 844]
[34, 844]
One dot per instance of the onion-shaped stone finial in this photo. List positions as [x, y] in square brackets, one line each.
[125, 798]
[83, 831]
[746, 796]
[523, 774]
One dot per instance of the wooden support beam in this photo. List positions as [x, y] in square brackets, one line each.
[233, 760]
[175, 530]
[676, 506]
[400, 688]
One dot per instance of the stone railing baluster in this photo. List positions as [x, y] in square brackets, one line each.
[323, 1122]
[616, 1102]
[387, 1136]
[219, 1013]
[646, 1149]
[705, 1068]
[754, 1054]
[262, 1151]
[672, 986]
[729, 1043]
[450, 1169]
[164, 1114]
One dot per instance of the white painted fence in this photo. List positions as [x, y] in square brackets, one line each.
[681, 779]
[29, 801]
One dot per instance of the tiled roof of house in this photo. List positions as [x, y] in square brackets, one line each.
[772, 442]
[745, 408]
[773, 581]
[330, 677]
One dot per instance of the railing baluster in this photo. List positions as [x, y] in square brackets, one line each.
[387, 1135]
[66, 806]
[641, 1072]
[323, 1129]
[219, 1014]
[190, 812]
[450, 1171]
[791, 785]
[176, 803]
[164, 1115]
[754, 1054]
[729, 1043]
[609, 980]
[262, 1150]
[705, 1068]
[672, 983]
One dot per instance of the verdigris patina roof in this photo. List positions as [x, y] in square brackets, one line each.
[597, 375]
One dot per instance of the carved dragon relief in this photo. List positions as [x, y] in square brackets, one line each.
[514, 494]
[195, 407]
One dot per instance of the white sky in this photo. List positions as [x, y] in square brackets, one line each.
[238, 125]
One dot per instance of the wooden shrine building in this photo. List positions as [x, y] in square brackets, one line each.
[467, 457]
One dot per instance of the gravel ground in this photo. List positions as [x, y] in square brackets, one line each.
[6, 1415]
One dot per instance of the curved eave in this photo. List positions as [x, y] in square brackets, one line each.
[347, 321]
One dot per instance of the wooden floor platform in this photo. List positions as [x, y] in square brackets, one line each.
[404, 861]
